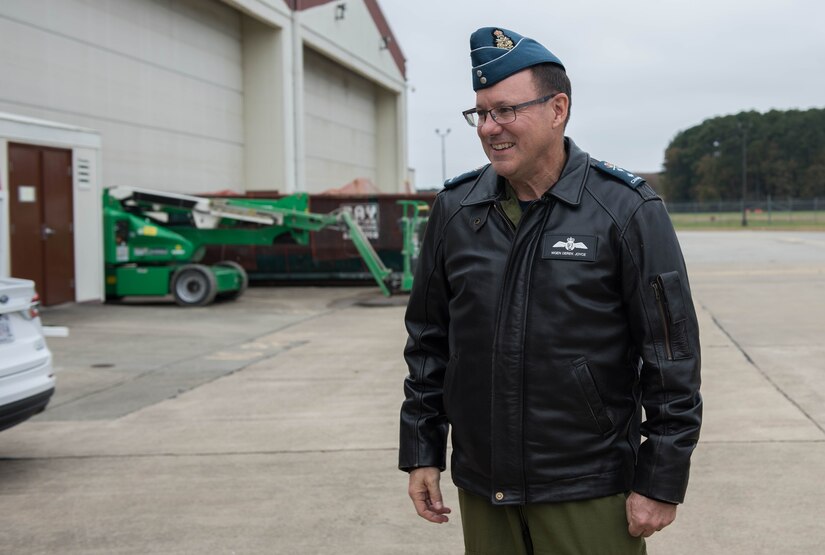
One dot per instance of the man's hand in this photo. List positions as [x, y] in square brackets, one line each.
[646, 516]
[425, 493]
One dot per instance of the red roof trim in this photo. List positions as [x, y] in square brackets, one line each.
[377, 17]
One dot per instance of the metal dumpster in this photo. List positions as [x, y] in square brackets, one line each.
[330, 255]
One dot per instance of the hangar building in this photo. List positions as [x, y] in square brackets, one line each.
[188, 96]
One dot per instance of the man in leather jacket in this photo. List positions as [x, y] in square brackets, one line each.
[550, 306]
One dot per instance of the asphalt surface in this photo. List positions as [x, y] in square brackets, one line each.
[269, 424]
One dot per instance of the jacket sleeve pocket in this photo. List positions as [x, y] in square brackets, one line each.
[668, 289]
[591, 395]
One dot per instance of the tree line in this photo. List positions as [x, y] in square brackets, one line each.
[784, 154]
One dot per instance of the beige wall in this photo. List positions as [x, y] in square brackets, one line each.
[269, 136]
[340, 127]
[160, 81]
[344, 102]
[200, 95]
[354, 45]
[391, 170]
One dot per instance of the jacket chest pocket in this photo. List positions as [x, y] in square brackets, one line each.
[476, 217]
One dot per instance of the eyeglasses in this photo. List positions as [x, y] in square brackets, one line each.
[502, 115]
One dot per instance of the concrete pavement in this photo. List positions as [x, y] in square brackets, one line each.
[756, 485]
[269, 425]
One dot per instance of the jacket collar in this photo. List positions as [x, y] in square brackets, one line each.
[567, 189]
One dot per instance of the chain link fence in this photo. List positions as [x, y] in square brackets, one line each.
[784, 213]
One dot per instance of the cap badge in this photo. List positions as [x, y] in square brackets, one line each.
[502, 40]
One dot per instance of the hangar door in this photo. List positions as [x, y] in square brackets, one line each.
[340, 124]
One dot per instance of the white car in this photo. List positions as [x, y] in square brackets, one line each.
[26, 375]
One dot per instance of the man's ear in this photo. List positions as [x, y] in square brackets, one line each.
[561, 106]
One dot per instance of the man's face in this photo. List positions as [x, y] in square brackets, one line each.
[518, 150]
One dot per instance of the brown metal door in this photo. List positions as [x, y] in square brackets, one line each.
[58, 227]
[42, 229]
[26, 214]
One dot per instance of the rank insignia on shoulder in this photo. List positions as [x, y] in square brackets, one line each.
[622, 174]
[463, 178]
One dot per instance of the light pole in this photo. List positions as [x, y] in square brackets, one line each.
[443, 153]
[715, 167]
[744, 129]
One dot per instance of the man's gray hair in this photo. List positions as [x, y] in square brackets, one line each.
[551, 78]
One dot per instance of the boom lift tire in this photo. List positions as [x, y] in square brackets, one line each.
[244, 279]
[193, 285]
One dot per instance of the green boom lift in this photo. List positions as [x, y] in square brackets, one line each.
[413, 220]
[153, 241]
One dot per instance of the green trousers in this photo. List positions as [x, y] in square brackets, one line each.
[591, 527]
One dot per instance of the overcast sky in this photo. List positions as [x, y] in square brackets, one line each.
[642, 70]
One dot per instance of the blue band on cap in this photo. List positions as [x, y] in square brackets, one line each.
[497, 53]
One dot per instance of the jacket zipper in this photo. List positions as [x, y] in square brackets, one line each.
[514, 233]
[663, 315]
[500, 210]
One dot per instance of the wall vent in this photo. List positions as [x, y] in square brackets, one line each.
[84, 173]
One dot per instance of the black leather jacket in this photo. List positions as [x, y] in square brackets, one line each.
[539, 344]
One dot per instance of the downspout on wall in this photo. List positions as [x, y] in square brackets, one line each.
[298, 99]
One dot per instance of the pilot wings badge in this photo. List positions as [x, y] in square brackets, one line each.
[568, 247]
[570, 244]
